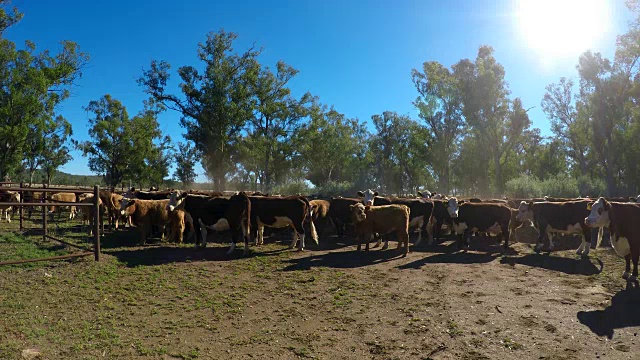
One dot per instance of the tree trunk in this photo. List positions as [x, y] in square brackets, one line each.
[498, 170]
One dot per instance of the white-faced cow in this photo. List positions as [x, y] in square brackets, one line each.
[468, 217]
[382, 219]
[281, 212]
[622, 219]
[216, 213]
[8, 196]
[558, 217]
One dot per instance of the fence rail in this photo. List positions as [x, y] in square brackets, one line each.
[46, 201]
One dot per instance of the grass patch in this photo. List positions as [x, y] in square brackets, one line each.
[17, 247]
[511, 344]
[453, 329]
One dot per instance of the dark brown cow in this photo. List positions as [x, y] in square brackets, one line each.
[216, 213]
[383, 219]
[147, 195]
[558, 217]
[624, 227]
[340, 214]
[281, 212]
[471, 217]
[440, 217]
[419, 215]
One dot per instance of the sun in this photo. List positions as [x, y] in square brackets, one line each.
[556, 29]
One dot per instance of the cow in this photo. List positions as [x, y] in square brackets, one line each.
[319, 211]
[147, 195]
[557, 217]
[419, 215]
[8, 196]
[425, 194]
[439, 217]
[280, 212]
[179, 221]
[622, 221]
[87, 213]
[340, 214]
[383, 219]
[470, 217]
[216, 213]
[368, 196]
[145, 213]
[64, 198]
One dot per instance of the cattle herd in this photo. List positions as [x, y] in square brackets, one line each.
[367, 216]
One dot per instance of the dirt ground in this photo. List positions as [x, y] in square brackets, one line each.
[164, 301]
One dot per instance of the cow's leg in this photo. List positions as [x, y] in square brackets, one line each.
[550, 237]
[367, 238]
[627, 268]
[245, 237]
[378, 240]
[419, 236]
[260, 234]
[634, 257]
[403, 238]
[541, 235]
[359, 241]
[203, 233]
[506, 234]
[143, 233]
[386, 242]
[232, 245]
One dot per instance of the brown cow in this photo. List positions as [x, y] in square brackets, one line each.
[624, 227]
[146, 213]
[383, 219]
[88, 212]
[471, 217]
[281, 212]
[558, 217]
[180, 220]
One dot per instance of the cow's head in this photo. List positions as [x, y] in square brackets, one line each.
[425, 194]
[125, 205]
[14, 197]
[599, 215]
[368, 196]
[452, 207]
[359, 212]
[176, 199]
[525, 211]
[437, 196]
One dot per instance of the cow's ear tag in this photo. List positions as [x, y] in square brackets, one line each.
[589, 205]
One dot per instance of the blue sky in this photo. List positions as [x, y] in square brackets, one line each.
[355, 55]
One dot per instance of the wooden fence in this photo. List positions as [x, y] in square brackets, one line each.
[46, 201]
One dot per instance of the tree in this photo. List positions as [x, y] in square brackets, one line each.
[122, 147]
[400, 152]
[491, 116]
[215, 104]
[55, 151]
[440, 107]
[276, 117]
[570, 129]
[32, 85]
[185, 160]
[330, 146]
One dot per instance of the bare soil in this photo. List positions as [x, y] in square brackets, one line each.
[164, 301]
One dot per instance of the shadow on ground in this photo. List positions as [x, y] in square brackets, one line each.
[623, 312]
[344, 259]
[573, 266]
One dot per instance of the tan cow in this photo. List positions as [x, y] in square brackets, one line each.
[9, 196]
[88, 212]
[146, 213]
[66, 198]
[180, 220]
[381, 219]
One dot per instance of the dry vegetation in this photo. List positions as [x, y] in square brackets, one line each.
[168, 302]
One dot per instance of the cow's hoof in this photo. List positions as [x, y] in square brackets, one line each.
[625, 275]
[537, 249]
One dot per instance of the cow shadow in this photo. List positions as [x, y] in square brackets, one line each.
[461, 257]
[344, 259]
[623, 312]
[161, 255]
[570, 266]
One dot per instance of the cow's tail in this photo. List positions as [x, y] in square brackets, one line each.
[314, 234]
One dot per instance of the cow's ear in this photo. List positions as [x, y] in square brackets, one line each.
[359, 193]
[589, 206]
[184, 195]
[530, 205]
[375, 193]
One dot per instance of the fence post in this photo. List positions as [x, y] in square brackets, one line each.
[44, 214]
[96, 222]
[21, 201]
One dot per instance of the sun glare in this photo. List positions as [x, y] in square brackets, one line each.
[557, 29]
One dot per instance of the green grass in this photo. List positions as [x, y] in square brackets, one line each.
[17, 247]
